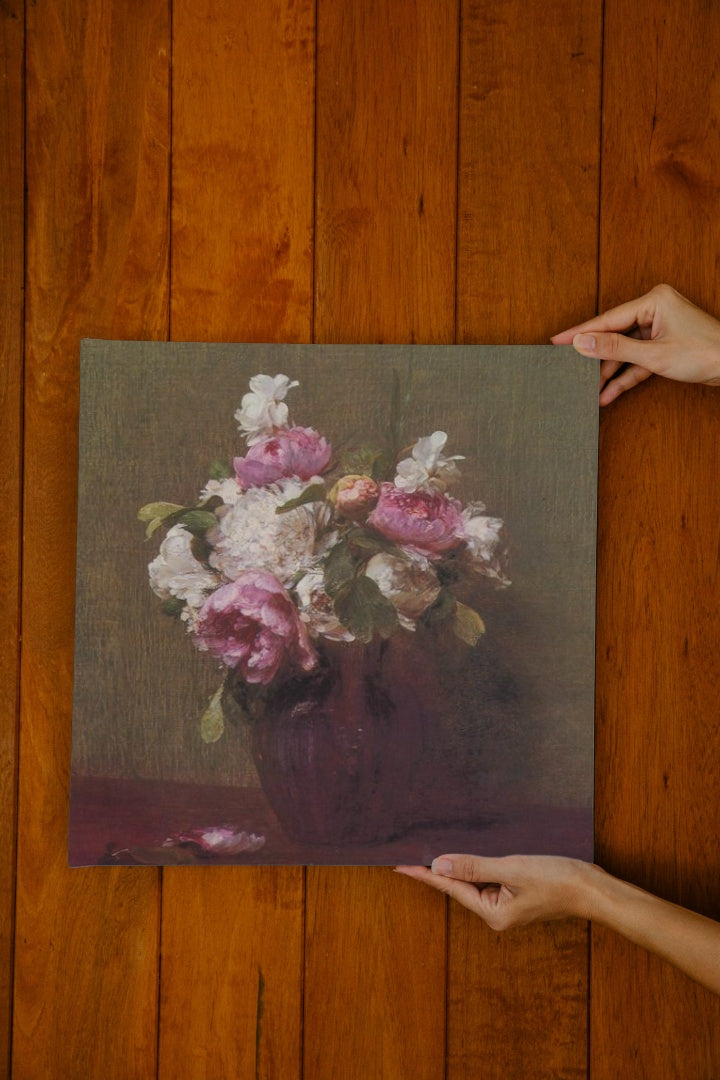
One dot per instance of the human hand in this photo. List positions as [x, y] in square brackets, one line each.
[514, 890]
[660, 333]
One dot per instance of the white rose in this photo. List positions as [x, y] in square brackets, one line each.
[228, 490]
[485, 542]
[176, 573]
[428, 469]
[409, 583]
[251, 536]
[264, 407]
[316, 608]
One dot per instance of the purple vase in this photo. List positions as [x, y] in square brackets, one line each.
[336, 749]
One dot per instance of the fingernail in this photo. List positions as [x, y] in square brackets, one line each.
[584, 341]
[441, 866]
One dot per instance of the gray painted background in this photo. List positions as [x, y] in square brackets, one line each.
[155, 415]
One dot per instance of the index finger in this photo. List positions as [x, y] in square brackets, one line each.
[623, 317]
[475, 868]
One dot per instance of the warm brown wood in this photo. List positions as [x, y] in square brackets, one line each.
[231, 973]
[658, 755]
[369, 973]
[528, 181]
[243, 141]
[375, 976]
[97, 181]
[385, 265]
[386, 171]
[12, 210]
[527, 242]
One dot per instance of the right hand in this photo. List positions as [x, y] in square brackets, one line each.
[513, 890]
[660, 333]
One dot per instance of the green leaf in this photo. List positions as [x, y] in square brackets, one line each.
[200, 549]
[172, 606]
[212, 721]
[314, 493]
[196, 522]
[339, 568]
[383, 468]
[362, 608]
[467, 624]
[211, 504]
[441, 610]
[152, 526]
[157, 510]
[220, 470]
[360, 462]
[367, 541]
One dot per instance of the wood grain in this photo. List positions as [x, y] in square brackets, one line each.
[231, 974]
[527, 242]
[243, 144]
[384, 272]
[528, 181]
[386, 171]
[381, 266]
[243, 141]
[97, 180]
[658, 757]
[12, 225]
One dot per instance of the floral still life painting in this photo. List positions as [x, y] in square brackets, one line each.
[335, 604]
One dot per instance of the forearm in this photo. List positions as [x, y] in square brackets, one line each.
[685, 939]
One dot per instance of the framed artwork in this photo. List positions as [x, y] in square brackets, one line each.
[335, 604]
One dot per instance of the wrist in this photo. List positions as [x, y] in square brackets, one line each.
[595, 892]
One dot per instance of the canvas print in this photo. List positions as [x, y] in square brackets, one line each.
[335, 604]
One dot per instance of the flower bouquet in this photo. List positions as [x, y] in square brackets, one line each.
[296, 567]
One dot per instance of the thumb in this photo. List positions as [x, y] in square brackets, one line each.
[621, 349]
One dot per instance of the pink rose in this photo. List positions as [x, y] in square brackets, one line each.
[297, 451]
[252, 624]
[216, 840]
[354, 495]
[426, 522]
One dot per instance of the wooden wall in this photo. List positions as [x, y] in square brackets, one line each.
[358, 170]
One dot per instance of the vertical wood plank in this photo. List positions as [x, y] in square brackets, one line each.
[658, 756]
[12, 211]
[243, 137]
[385, 271]
[527, 250]
[97, 179]
[242, 233]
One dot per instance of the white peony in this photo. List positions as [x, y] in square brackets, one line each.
[228, 490]
[485, 542]
[176, 573]
[428, 469]
[316, 608]
[251, 536]
[264, 407]
[409, 583]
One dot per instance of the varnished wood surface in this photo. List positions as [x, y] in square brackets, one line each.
[657, 734]
[86, 944]
[375, 171]
[12, 273]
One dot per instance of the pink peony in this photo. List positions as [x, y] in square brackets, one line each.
[252, 624]
[298, 452]
[426, 522]
[355, 496]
